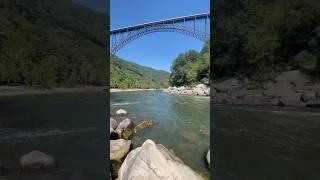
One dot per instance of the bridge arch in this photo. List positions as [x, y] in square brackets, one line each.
[177, 25]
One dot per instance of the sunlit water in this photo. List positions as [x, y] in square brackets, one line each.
[182, 123]
[266, 143]
[70, 127]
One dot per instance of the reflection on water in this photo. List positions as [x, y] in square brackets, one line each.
[70, 127]
[266, 143]
[182, 122]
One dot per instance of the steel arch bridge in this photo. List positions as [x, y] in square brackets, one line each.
[186, 25]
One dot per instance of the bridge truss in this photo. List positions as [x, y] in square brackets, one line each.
[196, 26]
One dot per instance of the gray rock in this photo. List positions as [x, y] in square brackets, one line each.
[143, 125]
[308, 96]
[154, 161]
[295, 78]
[113, 123]
[292, 99]
[119, 148]
[227, 86]
[123, 125]
[121, 112]
[36, 160]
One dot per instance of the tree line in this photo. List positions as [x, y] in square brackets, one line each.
[261, 38]
[191, 67]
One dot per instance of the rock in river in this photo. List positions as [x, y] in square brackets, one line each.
[154, 161]
[36, 160]
[123, 125]
[119, 148]
[121, 112]
[113, 123]
[143, 125]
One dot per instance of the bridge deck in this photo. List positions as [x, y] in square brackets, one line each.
[165, 21]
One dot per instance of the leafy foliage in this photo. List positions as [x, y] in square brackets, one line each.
[261, 38]
[125, 74]
[191, 67]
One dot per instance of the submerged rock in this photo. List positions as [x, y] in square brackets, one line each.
[143, 125]
[121, 112]
[36, 160]
[119, 148]
[154, 161]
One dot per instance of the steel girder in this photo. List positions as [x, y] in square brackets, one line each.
[178, 28]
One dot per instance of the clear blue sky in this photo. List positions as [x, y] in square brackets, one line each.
[156, 50]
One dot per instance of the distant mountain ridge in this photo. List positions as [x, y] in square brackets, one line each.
[126, 74]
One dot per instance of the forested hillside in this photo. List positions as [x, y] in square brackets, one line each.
[260, 38]
[53, 43]
[191, 67]
[125, 74]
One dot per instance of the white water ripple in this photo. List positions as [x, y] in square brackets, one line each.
[36, 134]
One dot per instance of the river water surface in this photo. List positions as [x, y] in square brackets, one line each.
[70, 127]
[266, 143]
[182, 123]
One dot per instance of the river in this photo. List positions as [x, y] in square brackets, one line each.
[70, 127]
[182, 123]
[250, 142]
[264, 143]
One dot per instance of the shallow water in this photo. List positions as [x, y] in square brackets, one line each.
[266, 143]
[182, 122]
[70, 127]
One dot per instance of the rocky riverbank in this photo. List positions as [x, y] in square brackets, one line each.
[290, 88]
[199, 90]
[149, 161]
[129, 90]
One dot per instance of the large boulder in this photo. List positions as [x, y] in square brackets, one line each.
[121, 112]
[295, 78]
[123, 125]
[293, 99]
[227, 86]
[143, 125]
[154, 161]
[119, 148]
[36, 160]
[201, 86]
